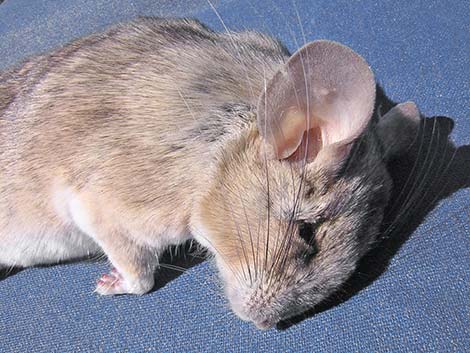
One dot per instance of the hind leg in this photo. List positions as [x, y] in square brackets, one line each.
[24, 248]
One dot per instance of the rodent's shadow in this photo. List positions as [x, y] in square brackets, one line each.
[431, 170]
[7, 272]
[176, 261]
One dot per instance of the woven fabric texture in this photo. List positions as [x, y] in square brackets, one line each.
[412, 294]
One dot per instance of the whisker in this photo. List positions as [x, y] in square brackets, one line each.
[189, 110]
[300, 22]
[240, 59]
[419, 181]
[235, 273]
[242, 242]
[289, 28]
[249, 234]
[240, 239]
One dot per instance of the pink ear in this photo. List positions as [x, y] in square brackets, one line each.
[323, 95]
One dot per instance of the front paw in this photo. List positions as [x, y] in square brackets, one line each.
[115, 283]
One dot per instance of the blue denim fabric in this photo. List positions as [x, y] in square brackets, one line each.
[413, 293]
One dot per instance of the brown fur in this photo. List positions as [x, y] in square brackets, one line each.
[142, 136]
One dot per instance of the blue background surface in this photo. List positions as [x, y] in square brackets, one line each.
[415, 298]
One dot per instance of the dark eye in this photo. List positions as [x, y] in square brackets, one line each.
[307, 232]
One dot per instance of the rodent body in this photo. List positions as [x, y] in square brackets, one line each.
[124, 142]
[80, 139]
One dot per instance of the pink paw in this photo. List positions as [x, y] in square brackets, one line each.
[114, 283]
[110, 284]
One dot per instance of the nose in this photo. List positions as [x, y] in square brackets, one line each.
[264, 324]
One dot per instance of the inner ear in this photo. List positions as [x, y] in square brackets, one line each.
[309, 147]
[323, 95]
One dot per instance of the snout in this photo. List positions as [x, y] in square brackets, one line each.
[265, 324]
[252, 308]
[261, 322]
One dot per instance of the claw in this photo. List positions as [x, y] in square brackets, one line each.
[111, 283]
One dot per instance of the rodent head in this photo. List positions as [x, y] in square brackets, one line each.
[299, 198]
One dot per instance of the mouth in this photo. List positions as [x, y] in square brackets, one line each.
[265, 324]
